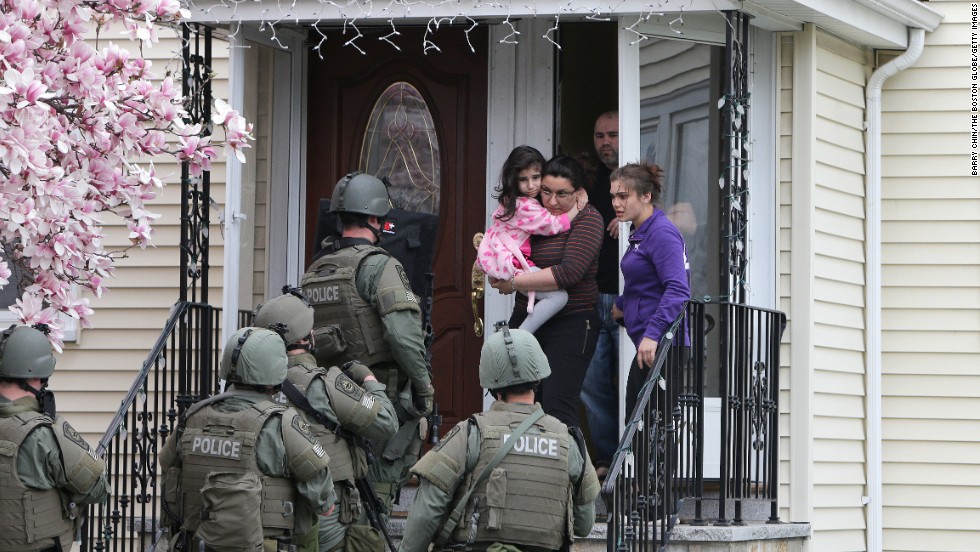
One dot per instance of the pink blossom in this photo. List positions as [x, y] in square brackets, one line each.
[73, 122]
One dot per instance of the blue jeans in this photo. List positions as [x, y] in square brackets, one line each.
[600, 393]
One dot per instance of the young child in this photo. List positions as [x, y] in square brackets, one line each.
[506, 246]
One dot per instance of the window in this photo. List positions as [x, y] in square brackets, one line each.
[401, 143]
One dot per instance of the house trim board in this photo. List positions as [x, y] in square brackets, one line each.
[230, 217]
[801, 275]
[878, 23]
[763, 181]
[629, 148]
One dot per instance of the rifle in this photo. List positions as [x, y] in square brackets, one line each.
[372, 504]
[435, 420]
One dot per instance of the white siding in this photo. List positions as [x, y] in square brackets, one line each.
[931, 298]
[821, 285]
[842, 70]
[785, 174]
[93, 374]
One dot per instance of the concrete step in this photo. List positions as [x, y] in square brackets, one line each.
[752, 509]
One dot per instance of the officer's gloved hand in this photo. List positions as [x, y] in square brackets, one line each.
[357, 371]
[422, 399]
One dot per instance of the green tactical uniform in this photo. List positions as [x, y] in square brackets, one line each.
[284, 451]
[56, 477]
[365, 310]
[526, 502]
[361, 409]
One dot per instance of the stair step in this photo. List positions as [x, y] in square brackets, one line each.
[753, 509]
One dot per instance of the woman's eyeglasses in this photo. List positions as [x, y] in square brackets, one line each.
[561, 195]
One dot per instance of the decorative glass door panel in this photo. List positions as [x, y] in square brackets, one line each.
[400, 143]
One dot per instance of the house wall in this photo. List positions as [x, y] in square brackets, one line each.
[821, 103]
[838, 268]
[931, 297]
[93, 374]
[784, 107]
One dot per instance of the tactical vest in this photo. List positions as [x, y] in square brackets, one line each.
[345, 326]
[527, 498]
[31, 519]
[341, 458]
[218, 445]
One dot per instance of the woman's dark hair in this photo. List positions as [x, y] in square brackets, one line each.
[521, 158]
[566, 166]
[643, 178]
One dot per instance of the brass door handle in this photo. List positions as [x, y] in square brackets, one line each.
[475, 295]
[476, 291]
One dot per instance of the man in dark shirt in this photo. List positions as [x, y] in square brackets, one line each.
[600, 393]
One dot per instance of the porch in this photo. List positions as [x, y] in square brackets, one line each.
[658, 495]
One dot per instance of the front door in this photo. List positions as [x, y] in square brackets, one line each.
[420, 119]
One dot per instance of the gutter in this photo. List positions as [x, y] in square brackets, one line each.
[873, 281]
[912, 13]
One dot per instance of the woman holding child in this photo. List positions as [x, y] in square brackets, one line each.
[567, 261]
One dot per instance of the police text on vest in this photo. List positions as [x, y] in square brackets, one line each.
[534, 444]
[323, 294]
[213, 446]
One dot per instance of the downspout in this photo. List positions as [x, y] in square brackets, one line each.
[873, 280]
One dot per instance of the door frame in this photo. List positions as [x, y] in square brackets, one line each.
[520, 108]
[286, 241]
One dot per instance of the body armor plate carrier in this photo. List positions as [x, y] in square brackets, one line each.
[527, 498]
[219, 462]
[32, 519]
[342, 464]
[345, 326]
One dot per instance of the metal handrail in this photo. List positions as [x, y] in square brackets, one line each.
[139, 382]
[179, 370]
[632, 497]
[660, 459]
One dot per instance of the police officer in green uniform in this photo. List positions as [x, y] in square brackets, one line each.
[364, 310]
[526, 475]
[48, 473]
[352, 404]
[242, 471]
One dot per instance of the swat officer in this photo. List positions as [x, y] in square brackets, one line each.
[241, 470]
[342, 408]
[505, 478]
[48, 473]
[364, 310]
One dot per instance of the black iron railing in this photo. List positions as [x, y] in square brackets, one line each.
[180, 369]
[660, 459]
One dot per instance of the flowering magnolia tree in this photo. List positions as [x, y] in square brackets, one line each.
[75, 121]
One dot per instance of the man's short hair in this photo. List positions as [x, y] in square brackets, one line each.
[352, 220]
[515, 389]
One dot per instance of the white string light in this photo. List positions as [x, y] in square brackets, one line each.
[394, 32]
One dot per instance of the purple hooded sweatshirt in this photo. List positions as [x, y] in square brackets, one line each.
[655, 275]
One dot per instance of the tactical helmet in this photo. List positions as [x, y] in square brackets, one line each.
[25, 353]
[254, 356]
[360, 193]
[510, 357]
[291, 311]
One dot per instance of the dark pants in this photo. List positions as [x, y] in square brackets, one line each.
[569, 342]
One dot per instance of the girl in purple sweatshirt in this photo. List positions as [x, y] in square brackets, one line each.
[655, 267]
